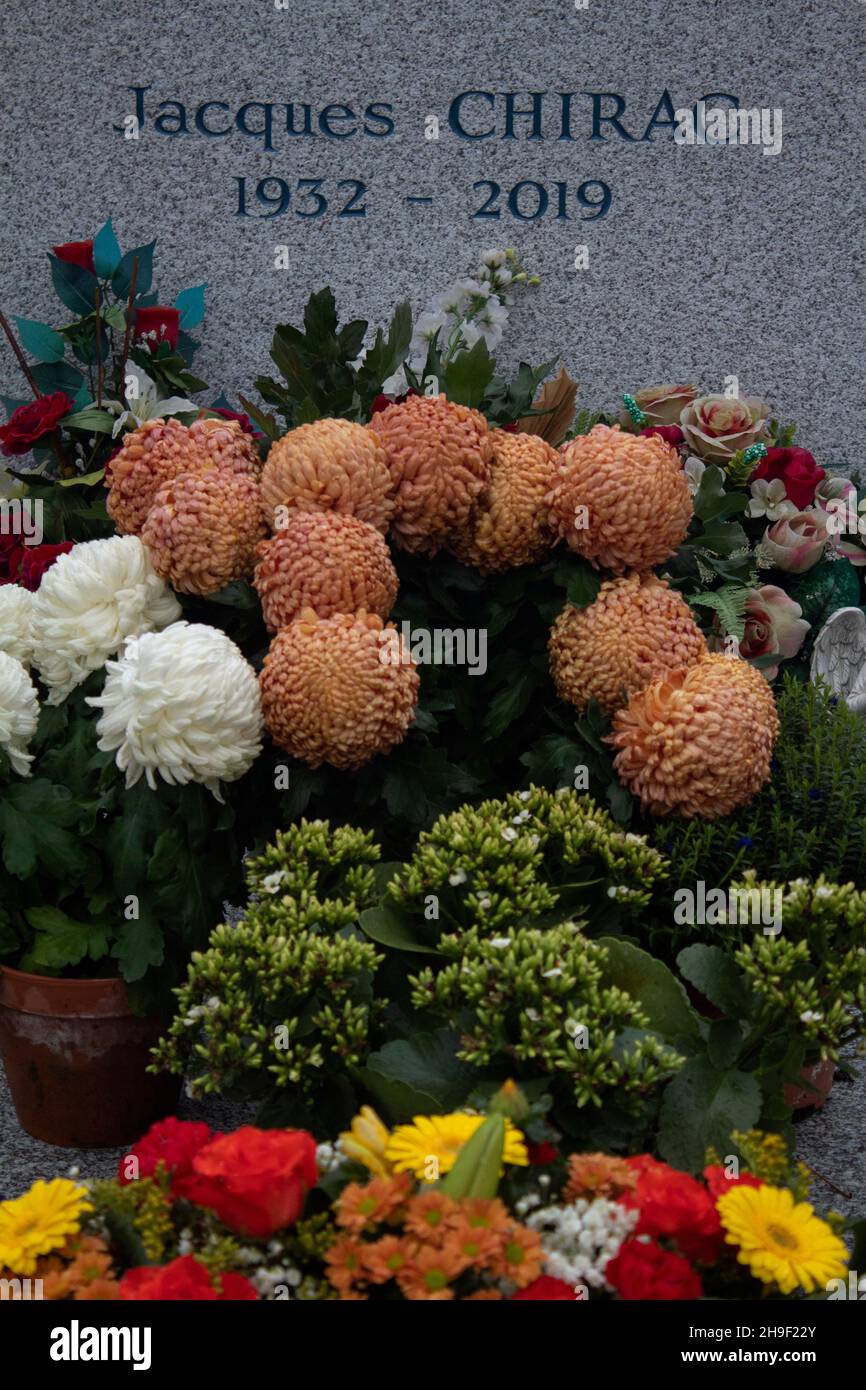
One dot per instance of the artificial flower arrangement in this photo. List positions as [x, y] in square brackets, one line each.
[461, 1205]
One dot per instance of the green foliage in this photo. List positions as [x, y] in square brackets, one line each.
[534, 856]
[809, 819]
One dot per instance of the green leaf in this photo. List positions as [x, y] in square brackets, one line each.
[75, 286]
[139, 946]
[724, 1041]
[418, 1076]
[121, 280]
[386, 353]
[700, 1107]
[730, 603]
[86, 479]
[711, 499]
[57, 376]
[467, 376]
[510, 702]
[130, 836]
[580, 581]
[106, 251]
[392, 928]
[60, 941]
[717, 976]
[35, 821]
[40, 340]
[652, 985]
[93, 420]
[722, 537]
[191, 305]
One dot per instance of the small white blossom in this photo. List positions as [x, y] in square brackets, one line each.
[509, 833]
[500, 942]
[811, 1016]
[271, 882]
[458, 877]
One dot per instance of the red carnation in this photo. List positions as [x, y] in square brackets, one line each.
[184, 1279]
[545, 1289]
[172, 1142]
[157, 324]
[254, 1179]
[76, 253]
[671, 434]
[30, 422]
[11, 555]
[674, 1205]
[244, 421]
[797, 469]
[643, 1270]
[718, 1182]
[39, 558]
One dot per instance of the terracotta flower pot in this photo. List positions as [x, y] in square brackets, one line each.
[820, 1076]
[75, 1058]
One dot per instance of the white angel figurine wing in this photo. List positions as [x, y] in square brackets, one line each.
[839, 656]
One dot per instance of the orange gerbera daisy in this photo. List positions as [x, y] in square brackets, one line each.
[384, 1258]
[520, 1258]
[477, 1244]
[345, 1261]
[428, 1274]
[427, 1215]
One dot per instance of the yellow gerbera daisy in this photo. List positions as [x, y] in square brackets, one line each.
[40, 1221]
[365, 1142]
[782, 1241]
[429, 1146]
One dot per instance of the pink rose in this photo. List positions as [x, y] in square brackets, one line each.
[663, 405]
[775, 626]
[797, 542]
[716, 427]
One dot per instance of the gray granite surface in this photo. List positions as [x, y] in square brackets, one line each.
[712, 261]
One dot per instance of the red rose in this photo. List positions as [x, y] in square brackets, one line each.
[11, 555]
[172, 1142]
[254, 1179]
[797, 469]
[30, 422]
[643, 1270]
[156, 325]
[671, 434]
[540, 1154]
[184, 1279]
[545, 1289]
[674, 1205]
[244, 421]
[381, 402]
[718, 1182]
[76, 253]
[39, 558]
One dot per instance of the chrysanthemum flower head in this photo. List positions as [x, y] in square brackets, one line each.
[781, 1240]
[19, 713]
[439, 456]
[697, 742]
[40, 1221]
[16, 605]
[332, 691]
[202, 530]
[326, 561]
[620, 500]
[636, 629]
[430, 1273]
[182, 705]
[508, 525]
[160, 450]
[597, 1175]
[328, 465]
[88, 604]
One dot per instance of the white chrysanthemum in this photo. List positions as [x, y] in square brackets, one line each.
[88, 604]
[183, 703]
[15, 613]
[19, 713]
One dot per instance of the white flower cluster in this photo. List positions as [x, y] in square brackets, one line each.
[578, 1240]
[19, 713]
[476, 306]
[16, 606]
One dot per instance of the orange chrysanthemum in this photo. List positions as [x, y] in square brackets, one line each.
[159, 451]
[338, 691]
[329, 465]
[345, 1262]
[326, 561]
[427, 1215]
[385, 1258]
[520, 1256]
[483, 1296]
[597, 1175]
[620, 500]
[203, 529]
[697, 742]
[636, 629]
[439, 456]
[509, 525]
[429, 1272]
[361, 1205]
[476, 1244]
[481, 1214]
